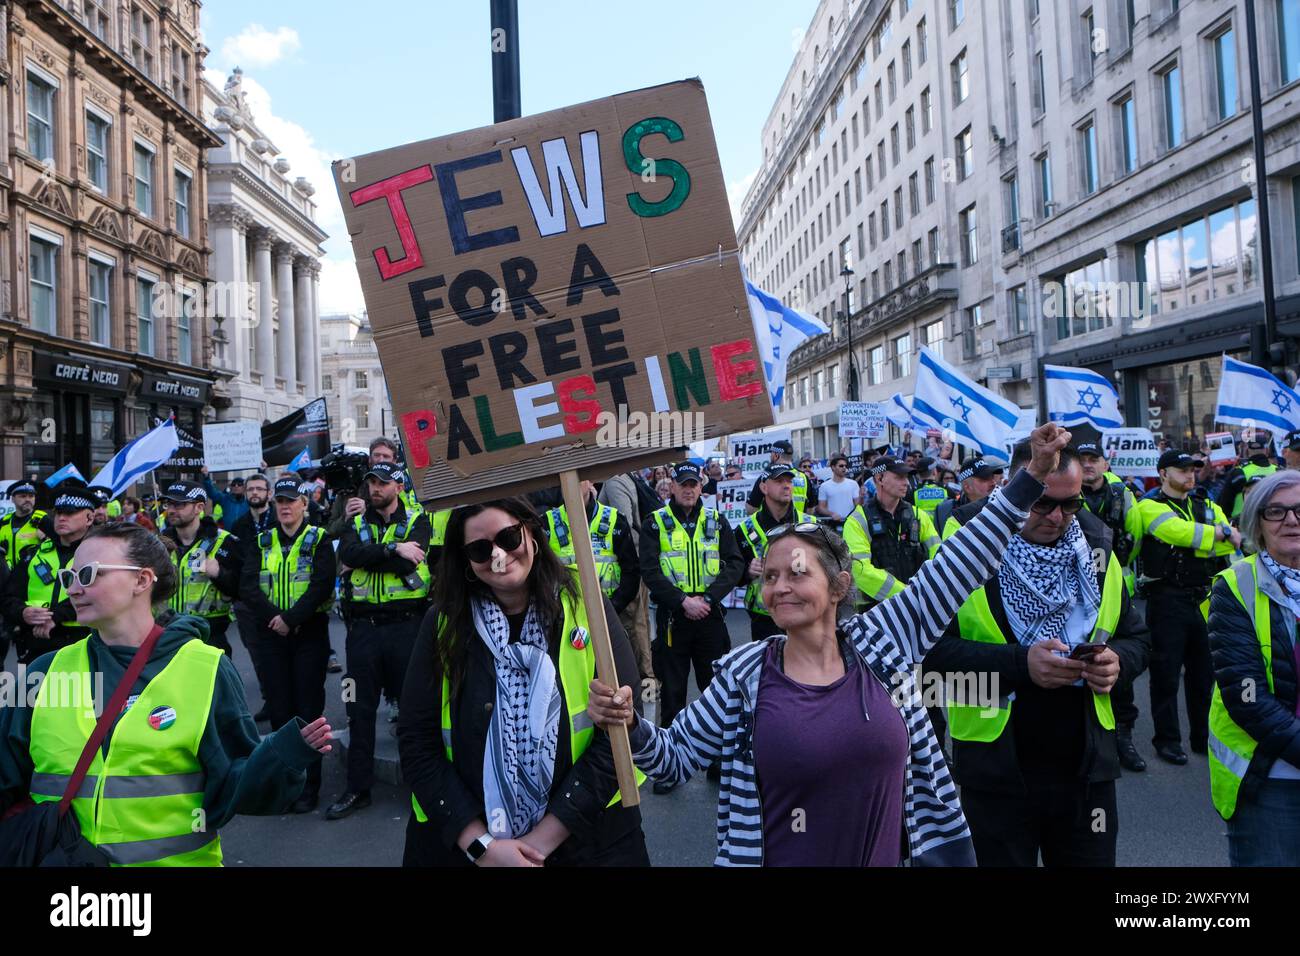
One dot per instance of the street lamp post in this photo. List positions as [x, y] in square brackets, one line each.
[847, 273]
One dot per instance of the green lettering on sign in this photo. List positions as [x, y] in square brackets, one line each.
[688, 382]
[670, 168]
[491, 440]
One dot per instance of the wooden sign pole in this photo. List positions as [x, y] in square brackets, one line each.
[594, 599]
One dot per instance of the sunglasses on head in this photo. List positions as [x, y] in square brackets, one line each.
[806, 529]
[1046, 505]
[507, 539]
[86, 574]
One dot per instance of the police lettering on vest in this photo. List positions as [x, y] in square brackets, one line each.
[139, 802]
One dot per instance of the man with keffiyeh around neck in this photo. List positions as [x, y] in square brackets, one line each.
[1044, 641]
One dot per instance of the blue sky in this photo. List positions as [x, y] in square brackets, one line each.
[329, 78]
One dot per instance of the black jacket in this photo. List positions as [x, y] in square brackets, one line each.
[374, 556]
[997, 766]
[319, 589]
[248, 527]
[664, 592]
[14, 599]
[451, 793]
[1268, 716]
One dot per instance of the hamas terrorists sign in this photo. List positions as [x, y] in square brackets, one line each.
[532, 282]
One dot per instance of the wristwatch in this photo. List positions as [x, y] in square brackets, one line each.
[478, 846]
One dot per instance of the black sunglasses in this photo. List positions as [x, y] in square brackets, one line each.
[507, 539]
[1046, 505]
[807, 529]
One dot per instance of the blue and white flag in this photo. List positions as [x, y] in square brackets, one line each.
[301, 460]
[63, 474]
[944, 398]
[140, 456]
[779, 330]
[1076, 395]
[899, 411]
[1250, 395]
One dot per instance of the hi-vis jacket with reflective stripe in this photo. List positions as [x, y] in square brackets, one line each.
[141, 804]
[799, 492]
[439, 521]
[15, 542]
[284, 577]
[690, 562]
[1163, 525]
[560, 536]
[884, 581]
[577, 668]
[1252, 642]
[385, 587]
[195, 592]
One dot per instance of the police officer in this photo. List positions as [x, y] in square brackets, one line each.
[102, 497]
[781, 454]
[979, 476]
[888, 538]
[35, 605]
[387, 590]
[1105, 496]
[208, 561]
[1234, 488]
[1291, 450]
[20, 529]
[1185, 542]
[751, 538]
[927, 494]
[690, 562]
[288, 585]
[617, 565]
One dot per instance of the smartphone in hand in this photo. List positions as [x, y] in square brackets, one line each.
[1083, 652]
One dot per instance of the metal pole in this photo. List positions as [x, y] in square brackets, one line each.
[1261, 191]
[505, 60]
[848, 323]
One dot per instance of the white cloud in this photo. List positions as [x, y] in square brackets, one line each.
[340, 289]
[736, 191]
[256, 46]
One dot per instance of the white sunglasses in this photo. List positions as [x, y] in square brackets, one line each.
[85, 575]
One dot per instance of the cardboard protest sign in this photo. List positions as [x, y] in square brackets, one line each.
[230, 446]
[531, 282]
[752, 452]
[862, 420]
[731, 499]
[1132, 452]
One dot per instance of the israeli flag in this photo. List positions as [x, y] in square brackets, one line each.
[63, 474]
[779, 330]
[303, 460]
[140, 456]
[1076, 395]
[1250, 395]
[944, 398]
[898, 410]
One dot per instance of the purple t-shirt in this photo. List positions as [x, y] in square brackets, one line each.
[830, 778]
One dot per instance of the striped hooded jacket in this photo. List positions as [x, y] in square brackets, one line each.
[890, 640]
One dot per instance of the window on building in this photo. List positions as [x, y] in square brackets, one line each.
[97, 18]
[185, 312]
[817, 385]
[956, 13]
[970, 322]
[1088, 149]
[922, 42]
[887, 275]
[327, 383]
[1018, 307]
[1081, 300]
[918, 262]
[969, 232]
[1089, 28]
[1127, 116]
[932, 337]
[903, 356]
[927, 111]
[97, 151]
[363, 416]
[1206, 258]
[914, 194]
[960, 78]
[871, 229]
[884, 220]
[862, 248]
[1225, 73]
[902, 267]
[880, 99]
[891, 75]
[857, 185]
[40, 118]
[907, 62]
[876, 365]
[1043, 171]
[1171, 91]
[142, 29]
[833, 381]
[101, 312]
[965, 148]
[1011, 235]
[909, 127]
[894, 147]
[1040, 85]
[42, 273]
[898, 208]
[183, 182]
[360, 379]
[929, 181]
[181, 75]
[933, 237]
[859, 72]
[144, 180]
[146, 330]
[1287, 13]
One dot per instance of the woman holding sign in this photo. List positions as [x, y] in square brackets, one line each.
[505, 766]
[827, 756]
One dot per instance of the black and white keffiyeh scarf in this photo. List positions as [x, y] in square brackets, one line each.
[1287, 578]
[519, 759]
[1041, 584]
